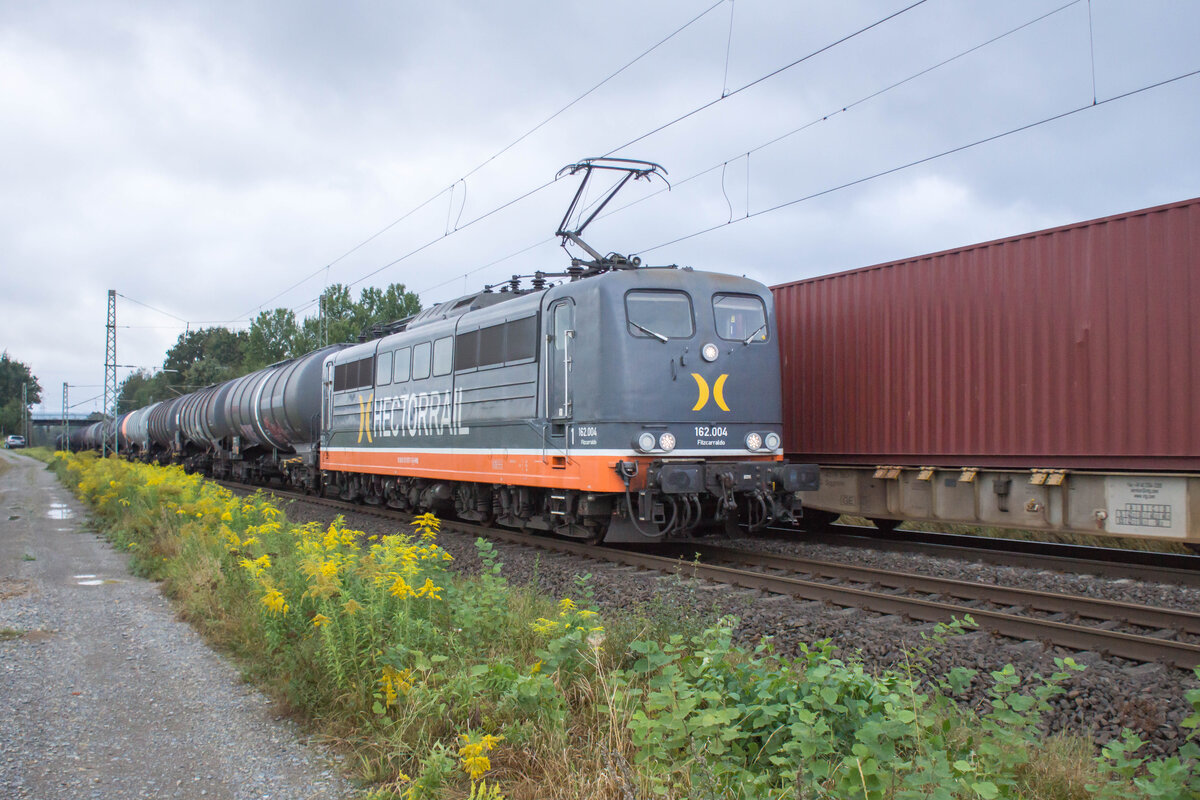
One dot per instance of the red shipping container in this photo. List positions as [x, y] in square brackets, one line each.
[1075, 347]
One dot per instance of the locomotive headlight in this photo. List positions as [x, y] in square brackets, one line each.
[753, 441]
[709, 352]
[667, 442]
[771, 440]
[645, 441]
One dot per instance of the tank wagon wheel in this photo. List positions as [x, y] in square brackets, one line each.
[885, 525]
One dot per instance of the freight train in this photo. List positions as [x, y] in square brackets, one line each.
[622, 403]
[1048, 381]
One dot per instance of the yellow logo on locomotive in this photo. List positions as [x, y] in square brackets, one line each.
[364, 418]
[718, 392]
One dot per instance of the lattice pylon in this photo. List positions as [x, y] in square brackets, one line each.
[110, 375]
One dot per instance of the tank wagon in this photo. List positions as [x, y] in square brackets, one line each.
[622, 403]
[1047, 381]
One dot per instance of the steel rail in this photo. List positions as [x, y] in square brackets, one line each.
[1077, 605]
[1146, 565]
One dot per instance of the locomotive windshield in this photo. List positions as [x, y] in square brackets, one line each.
[740, 317]
[659, 315]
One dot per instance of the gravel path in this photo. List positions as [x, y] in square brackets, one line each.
[1109, 695]
[103, 693]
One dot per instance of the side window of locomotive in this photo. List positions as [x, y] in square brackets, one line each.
[383, 369]
[659, 314]
[496, 345]
[354, 375]
[740, 317]
[443, 355]
[420, 362]
[403, 363]
[521, 339]
[466, 351]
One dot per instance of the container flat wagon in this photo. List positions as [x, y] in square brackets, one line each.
[1046, 381]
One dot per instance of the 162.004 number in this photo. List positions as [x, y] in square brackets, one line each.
[703, 431]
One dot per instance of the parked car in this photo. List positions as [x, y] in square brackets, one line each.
[14, 441]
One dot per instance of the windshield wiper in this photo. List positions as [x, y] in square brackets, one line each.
[751, 336]
[644, 329]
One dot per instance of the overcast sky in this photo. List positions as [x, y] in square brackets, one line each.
[200, 158]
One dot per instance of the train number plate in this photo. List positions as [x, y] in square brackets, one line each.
[709, 431]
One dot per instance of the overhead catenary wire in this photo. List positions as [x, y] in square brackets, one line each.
[755, 82]
[845, 108]
[774, 73]
[152, 308]
[487, 160]
[927, 159]
[823, 118]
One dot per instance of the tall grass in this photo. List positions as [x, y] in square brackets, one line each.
[438, 685]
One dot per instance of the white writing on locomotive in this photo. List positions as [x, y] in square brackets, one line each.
[413, 414]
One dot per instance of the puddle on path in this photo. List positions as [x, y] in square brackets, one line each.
[92, 580]
[59, 511]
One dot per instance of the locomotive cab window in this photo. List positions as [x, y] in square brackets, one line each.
[740, 317]
[659, 315]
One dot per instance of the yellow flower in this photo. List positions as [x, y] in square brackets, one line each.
[429, 590]
[395, 682]
[473, 754]
[476, 766]
[400, 588]
[566, 605]
[319, 620]
[352, 606]
[274, 601]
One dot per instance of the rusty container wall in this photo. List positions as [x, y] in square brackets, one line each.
[1075, 347]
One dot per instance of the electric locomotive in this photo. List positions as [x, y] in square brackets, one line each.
[626, 403]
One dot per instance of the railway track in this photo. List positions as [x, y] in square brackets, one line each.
[1163, 635]
[1109, 562]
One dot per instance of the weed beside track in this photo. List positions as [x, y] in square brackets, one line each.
[440, 685]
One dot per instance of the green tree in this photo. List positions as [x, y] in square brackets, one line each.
[346, 319]
[273, 336]
[205, 356]
[13, 376]
[143, 388]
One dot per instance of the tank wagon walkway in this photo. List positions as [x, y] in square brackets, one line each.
[103, 693]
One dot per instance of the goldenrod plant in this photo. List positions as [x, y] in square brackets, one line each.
[443, 685]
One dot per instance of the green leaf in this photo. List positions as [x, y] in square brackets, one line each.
[986, 789]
